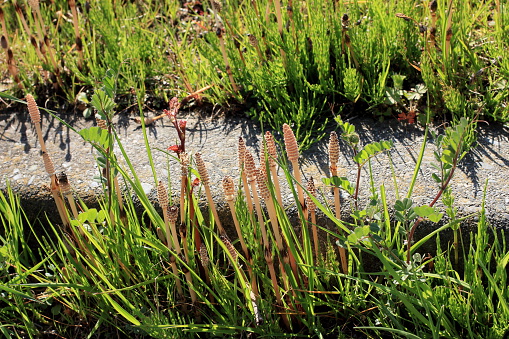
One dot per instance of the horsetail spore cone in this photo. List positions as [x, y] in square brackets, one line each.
[205, 179]
[292, 152]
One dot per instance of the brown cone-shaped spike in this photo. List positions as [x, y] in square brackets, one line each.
[202, 170]
[173, 213]
[228, 188]
[162, 195]
[33, 110]
[250, 166]
[261, 180]
[33, 3]
[229, 246]
[204, 256]
[241, 152]
[63, 182]
[252, 40]
[184, 164]
[218, 6]
[333, 149]
[271, 148]
[292, 149]
[48, 164]
[311, 189]
[101, 123]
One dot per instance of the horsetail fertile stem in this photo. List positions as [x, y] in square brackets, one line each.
[311, 207]
[251, 178]
[333, 160]
[205, 179]
[272, 157]
[184, 166]
[79, 42]
[65, 188]
[35, 116]
[242, 168]
[229, 194]
[292, 151]
[170, 217]
[173, 213]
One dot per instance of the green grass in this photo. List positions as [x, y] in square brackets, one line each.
[296, 64]
[110, 271]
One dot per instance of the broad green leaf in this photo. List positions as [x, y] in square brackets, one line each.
[436, 178]
[95, 135]
[424, 211]
[435, 217]
[402, 205]
[371, 150]
[341, 182]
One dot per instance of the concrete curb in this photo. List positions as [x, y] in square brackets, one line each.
[217, 140]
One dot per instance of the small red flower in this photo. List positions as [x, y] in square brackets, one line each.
[175, 148]
[408, 117]
[196, 182]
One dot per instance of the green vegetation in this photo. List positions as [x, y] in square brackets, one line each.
[110, 271]
[293, 62]
[177, 271]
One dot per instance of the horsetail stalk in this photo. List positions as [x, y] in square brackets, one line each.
[184, 166]
[184, 257]
[292, 152]
[311, 207]
[35, 116]
[229, 194]
[169, 220]
[205, 179]
[65, 188]
[272, 157]
[79, 42]
[251, 178]
[242, 167]
[333, 160]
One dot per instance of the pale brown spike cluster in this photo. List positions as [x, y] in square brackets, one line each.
[204, 256]
[333, 149]
[261, 180]
[63, 183]
[311, 189]
[228, 188]
[292, 149]
[202, 170]
[218, 6]
[48, 164]
[227, 243]
[33, 110]
[250, 166]
[162, 195]
[101, 123]
[271, 148]
[241, 152]
[252, 40]
[184, 164]
[33, 3]
[173, 213]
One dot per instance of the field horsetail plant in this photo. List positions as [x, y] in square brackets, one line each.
[179, 269]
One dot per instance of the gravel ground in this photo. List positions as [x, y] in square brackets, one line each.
[217, 140]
